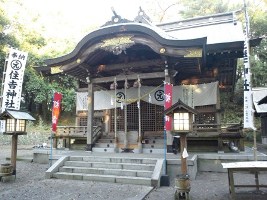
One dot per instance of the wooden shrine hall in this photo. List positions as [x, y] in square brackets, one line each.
[122, 68]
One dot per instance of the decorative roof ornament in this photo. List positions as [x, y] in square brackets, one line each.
[118, 44]
[56, 70]
[142, 17]
[116, 19]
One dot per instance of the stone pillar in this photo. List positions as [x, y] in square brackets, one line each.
[89, 143]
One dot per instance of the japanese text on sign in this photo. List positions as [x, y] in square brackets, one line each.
[13, 79]
[248, 111]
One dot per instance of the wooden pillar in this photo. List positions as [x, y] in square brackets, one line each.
[183, 144]
[54, 142]
[125, 116]
[107, 121]
[14, 152]
[115, 115]
[140, 147]
[89, 144]
[264, 128]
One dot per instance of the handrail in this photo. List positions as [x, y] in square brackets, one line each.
[97, 132]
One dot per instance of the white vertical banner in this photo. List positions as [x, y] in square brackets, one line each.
[13, 79]
[248, 110]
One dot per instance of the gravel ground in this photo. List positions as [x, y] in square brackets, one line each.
[31, 184]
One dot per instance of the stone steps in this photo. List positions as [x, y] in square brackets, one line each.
[150, 145]
[104, 171]
[104, 178]
[141, 171]
[153, 146]
[106, 140]
[129, 166]
[104, 145]
[152, 150]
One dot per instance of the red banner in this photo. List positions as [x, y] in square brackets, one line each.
[56, 110]
[167, 104]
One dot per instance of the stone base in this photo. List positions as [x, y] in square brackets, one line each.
[169, 149]
[10, 178]
[164, 180]
[88, 147]
[264, 140]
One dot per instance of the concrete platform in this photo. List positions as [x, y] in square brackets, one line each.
[197, 162]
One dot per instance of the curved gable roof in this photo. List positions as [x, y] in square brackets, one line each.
[152, 32]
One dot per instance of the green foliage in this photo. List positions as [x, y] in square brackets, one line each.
[194, 8]
[37, 90]
[6, 38]
[232, 108]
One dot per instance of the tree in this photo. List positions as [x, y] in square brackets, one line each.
[6, 38]
[193, 8]
[258, 29]
[37, 90]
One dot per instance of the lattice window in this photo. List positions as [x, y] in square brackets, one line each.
[206, 118]
[82, 121]
[206, 115]
[151, 117]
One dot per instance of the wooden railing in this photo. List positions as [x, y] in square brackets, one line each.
[206, 128]
[78, 132]
[232, 127]
[233, 130]
[71, 131]
[81, 131]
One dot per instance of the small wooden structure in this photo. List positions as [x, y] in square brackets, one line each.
[15, 125]
[260, 104]
[182, 116]
[254, 167]
[184, 53]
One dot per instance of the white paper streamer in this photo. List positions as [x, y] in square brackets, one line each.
[185, 154]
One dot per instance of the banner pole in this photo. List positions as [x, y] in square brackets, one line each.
[55, 115]
[51, 149]
[248, 100]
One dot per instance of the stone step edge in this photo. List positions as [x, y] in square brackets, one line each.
[99, 168]
[114, 158]
[105, 178]
[110, 163]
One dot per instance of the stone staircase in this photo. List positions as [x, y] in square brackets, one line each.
[104, 144]
[139, 171]
[153, 144]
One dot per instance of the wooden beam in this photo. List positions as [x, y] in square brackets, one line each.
[129, 77]
[130, 65]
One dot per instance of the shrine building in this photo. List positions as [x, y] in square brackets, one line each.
[123, 68]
